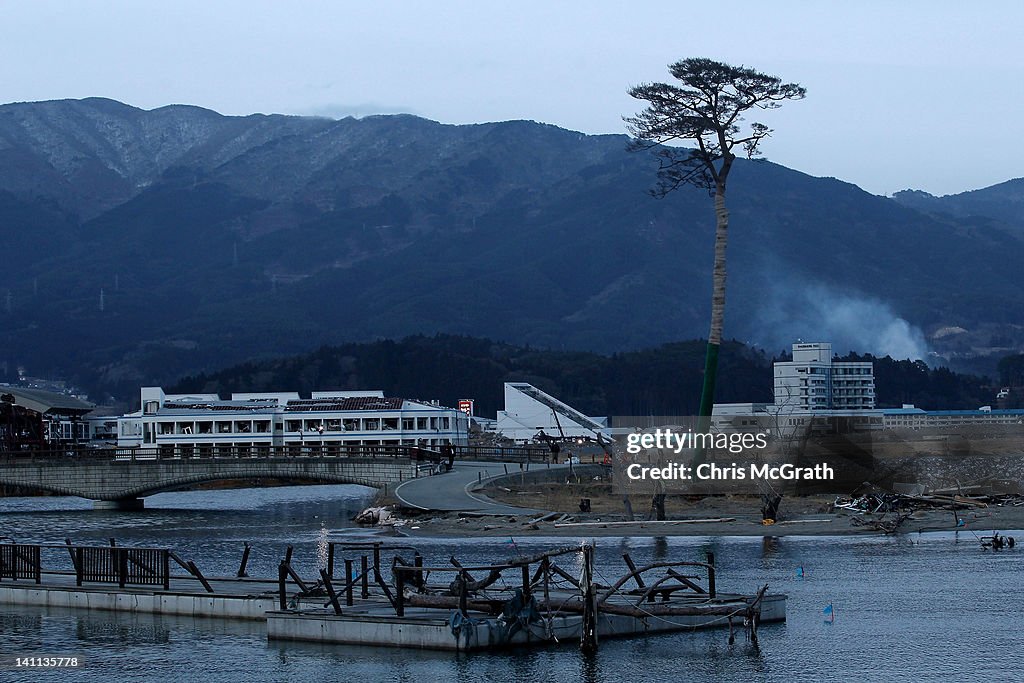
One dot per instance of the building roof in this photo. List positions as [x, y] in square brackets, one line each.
[47, 402]
[351, 403]
[1016, 412]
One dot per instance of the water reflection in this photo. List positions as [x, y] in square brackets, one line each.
[659, 549]
[883, 590]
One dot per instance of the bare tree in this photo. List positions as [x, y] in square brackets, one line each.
[706, 110]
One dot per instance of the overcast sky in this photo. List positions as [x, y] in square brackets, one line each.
[900, 94]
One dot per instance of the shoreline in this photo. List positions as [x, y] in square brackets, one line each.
[464, 525]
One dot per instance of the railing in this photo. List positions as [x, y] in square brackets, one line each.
[121, 565]
[268, 452]
[19, 561]
[91, 564]
[528, 453]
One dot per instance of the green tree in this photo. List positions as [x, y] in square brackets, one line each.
[706, 109]
[1011, 370]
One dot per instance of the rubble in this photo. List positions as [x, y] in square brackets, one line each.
[894, 508]
[380, 516]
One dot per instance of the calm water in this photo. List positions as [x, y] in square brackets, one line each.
[926, 608]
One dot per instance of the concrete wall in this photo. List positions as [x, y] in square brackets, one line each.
[539, 474]
[221, 607]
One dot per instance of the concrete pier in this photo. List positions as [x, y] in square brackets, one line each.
[232, 599]
[432, 629]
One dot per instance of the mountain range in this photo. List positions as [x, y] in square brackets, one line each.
[138, 246]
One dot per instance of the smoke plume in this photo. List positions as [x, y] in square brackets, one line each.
[852, 323]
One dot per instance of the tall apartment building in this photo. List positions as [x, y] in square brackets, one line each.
[813, 381]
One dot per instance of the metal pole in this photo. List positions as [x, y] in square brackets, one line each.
[348, 582]
[588, 636]
[711, 575]
[400, 591]
[245, 560]
[282, 576]
[326, 578]
[166, 568]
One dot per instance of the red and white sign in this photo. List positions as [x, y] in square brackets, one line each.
[466, 406]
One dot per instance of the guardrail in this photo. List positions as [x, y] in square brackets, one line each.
[326, 450]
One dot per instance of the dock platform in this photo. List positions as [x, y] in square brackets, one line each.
[396, 602]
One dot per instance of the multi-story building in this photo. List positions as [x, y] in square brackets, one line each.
[203, 424]
[813, 381]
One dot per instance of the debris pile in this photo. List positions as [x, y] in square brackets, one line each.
[894, 508]
[877, 500]
[380, 516]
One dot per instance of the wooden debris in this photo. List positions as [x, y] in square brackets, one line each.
[712, 520]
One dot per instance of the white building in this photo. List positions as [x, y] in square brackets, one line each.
[812, 381]
[202, 424]
[911, 417]
[528, 411]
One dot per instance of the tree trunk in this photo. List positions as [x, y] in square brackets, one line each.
[707, 396]
[658, 507]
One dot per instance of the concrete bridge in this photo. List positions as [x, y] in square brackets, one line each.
[116, 480]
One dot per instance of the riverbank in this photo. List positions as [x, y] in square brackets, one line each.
[688, 516]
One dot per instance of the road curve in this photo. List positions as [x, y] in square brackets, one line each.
[452, 491]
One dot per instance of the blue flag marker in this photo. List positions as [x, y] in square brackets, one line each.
[830, 614]
[800, 572]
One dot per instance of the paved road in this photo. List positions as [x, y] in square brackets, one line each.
[450, 492]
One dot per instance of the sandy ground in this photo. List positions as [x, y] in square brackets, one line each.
[799, 516]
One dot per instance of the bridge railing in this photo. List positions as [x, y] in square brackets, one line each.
[267, 451]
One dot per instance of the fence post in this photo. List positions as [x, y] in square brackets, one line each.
[711, 575]
[282, 576]
[120, 556]
[245, 560]
[166, 569]
[348, 582]
[79, 573]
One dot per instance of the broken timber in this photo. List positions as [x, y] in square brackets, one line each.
[529, 600]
